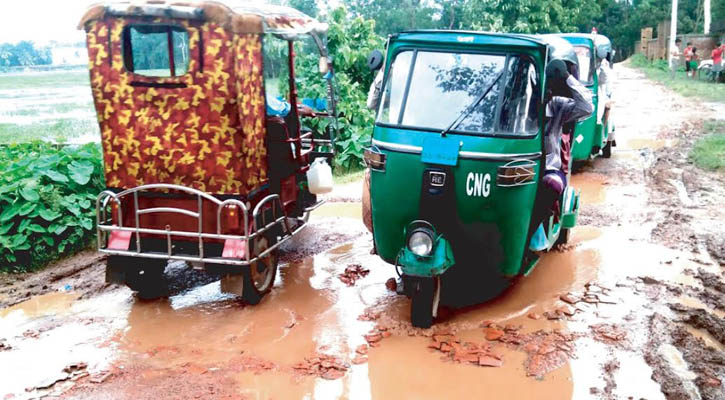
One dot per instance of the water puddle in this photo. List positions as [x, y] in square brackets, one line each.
[592, 186]
[47, 304]
[706, 337]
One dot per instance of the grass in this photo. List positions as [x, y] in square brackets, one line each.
[50, 105]
[48, 79]
[659, 72]
[58, 130]
[709, 151]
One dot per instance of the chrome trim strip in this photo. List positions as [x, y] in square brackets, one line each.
[470, 155]
[476, 155]
[403, 148]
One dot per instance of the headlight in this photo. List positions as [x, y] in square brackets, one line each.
[420, 243]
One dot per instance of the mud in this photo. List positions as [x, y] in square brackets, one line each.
[630, 308]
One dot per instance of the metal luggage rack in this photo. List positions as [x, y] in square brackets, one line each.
[104, 224]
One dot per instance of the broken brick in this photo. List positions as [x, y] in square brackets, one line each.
[489, 361]
[493, 333]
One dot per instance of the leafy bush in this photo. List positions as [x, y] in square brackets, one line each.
[47, 201]
[350, 40]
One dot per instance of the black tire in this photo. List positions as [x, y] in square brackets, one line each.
[607, 150]
[422, 300]
[563, 237]
[259, 276]
[145, 276]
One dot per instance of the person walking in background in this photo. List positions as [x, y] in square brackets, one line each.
[675, 55]
[693, 62]
[688, 57]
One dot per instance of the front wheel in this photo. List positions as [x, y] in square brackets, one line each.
[607, 149]
[563, 237]
[258, 279]
[425, 296]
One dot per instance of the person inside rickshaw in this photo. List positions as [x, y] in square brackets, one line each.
[567, 101]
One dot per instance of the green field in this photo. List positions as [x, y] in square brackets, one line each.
[53, 106]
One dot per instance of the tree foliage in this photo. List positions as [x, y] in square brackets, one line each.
[350, 40]
[23, 54]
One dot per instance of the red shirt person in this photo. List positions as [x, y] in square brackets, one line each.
[717, 54]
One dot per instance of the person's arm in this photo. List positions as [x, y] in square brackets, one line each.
[582, 105]
[375, 91]
[603, 73]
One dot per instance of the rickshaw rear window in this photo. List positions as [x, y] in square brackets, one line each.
[156, 50]
[586, 72]
[462, 92]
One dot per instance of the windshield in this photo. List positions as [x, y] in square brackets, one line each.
[470, 93]
[586, 72]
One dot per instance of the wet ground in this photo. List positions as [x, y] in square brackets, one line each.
[633, 307]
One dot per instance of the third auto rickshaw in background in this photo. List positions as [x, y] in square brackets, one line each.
[456, 160]
[205, 157]
[595, 135]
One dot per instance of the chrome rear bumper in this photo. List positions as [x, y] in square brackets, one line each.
[105, 226]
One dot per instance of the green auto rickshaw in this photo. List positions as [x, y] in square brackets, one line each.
[595, 135]
[456, 163]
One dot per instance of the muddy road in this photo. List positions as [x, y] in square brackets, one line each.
[632, 308]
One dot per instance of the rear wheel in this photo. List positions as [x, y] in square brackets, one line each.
[425, 295]
[259, 276]
[607, 149]
[142, 275]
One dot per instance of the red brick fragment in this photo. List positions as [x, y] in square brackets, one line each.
[488, 361]
[493, 333]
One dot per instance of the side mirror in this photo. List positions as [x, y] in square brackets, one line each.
[375, 60]
[324, 65]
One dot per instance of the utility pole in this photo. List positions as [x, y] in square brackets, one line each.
[706, 8]
[673, 31]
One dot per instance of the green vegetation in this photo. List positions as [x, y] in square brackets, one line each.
[621, 21]
[23, 53]
[350, 41]
[47, 202]
[709, 151]
[44, 80]
[57, 130]
[55, 106]
[659, 71]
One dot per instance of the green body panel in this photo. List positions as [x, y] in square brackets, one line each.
[396, 192]
[589, 136]
[427, 266]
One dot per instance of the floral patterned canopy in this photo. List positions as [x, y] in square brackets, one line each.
[241, 16]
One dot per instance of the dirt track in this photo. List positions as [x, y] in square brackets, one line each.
[633, 308]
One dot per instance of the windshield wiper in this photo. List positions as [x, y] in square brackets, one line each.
[470, 108]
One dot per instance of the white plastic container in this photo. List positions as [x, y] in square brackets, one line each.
[319, 177]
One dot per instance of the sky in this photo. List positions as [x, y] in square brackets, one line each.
[43, 21]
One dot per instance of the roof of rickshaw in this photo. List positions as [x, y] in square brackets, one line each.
[470, 37]
[239, 15]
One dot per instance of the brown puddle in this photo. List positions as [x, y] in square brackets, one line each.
[46, 304]
[311, 311]
[591, 185]
[203, 336]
